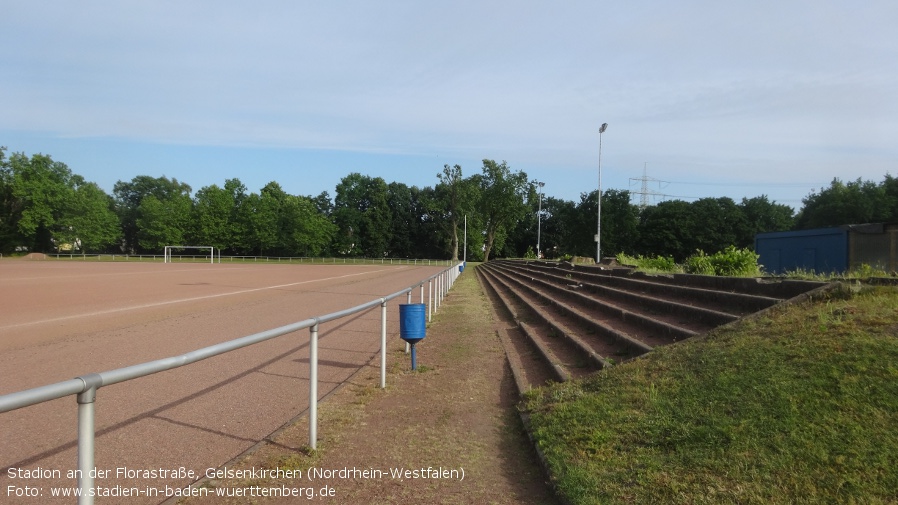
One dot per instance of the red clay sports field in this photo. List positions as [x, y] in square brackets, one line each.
[62, 319]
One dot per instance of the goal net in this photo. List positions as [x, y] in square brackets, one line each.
[169, 251]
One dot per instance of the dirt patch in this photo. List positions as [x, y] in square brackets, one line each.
[35, 256]
[456, 414]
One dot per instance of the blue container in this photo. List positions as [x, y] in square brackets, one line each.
[821, 250]
[461, 268]
[412, 322]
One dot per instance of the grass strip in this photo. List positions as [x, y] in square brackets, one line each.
[800, 406]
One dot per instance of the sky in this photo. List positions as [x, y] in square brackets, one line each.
[702, 98]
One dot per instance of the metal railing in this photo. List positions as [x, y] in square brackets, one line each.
[85, 387]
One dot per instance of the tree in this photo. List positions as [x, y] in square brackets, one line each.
[664, 230]
[42, 188]
[129, 197]
[217, 221]
[454, 198]
[715, 224]
[848, 203]
[620, 222]
[362, 215]
[10, 208]
[762, 215]
[163, 222]
[88, 221]
[308, 232]
[261, 213]
[324, 204]
[502, 202]
[405, 226]
[559, 225]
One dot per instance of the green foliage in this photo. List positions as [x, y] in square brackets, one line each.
[362, 215]
[699, 264]
[129, 197]
[627, 260]
[9, 233]
[729, 262]
[161, 223]
[853, 202]
[657, 264]
[212, 220]
[865, 271]
[859, 272]
[502, 203]
[530, 254]
[88, 221]
[453, 198]
[44, 205]
[677, 228]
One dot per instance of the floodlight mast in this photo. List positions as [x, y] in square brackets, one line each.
[599, 198]
[539, 217]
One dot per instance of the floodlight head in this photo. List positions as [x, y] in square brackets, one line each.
[541, 184]
[603, 128]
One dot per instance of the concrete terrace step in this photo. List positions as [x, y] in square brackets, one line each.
[562, 352]
[632, 314]
[604, 315]
[640, 297]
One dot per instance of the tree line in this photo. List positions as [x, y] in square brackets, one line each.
[45, 207]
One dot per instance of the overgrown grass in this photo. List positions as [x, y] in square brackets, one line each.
[797, 407]
[657, 264]
[728, 262]
[862, 272]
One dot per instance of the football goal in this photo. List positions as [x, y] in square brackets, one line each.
[169, 249]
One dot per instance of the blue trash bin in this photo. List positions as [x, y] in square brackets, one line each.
[413, 325]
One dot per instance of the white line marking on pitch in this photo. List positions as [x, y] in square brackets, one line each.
[170, 302]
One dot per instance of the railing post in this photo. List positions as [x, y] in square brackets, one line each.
[383, 343]
[86, 436]
[429, 298]
[409, 301]
[313, 386]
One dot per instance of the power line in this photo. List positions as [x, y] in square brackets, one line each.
[751, 184]
[645, 192]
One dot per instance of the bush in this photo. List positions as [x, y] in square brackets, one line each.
[700, 264]
[627, 260]
[530, 254]
[658, 263]
[865, 271]
[730, 262]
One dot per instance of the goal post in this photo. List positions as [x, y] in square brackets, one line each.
[212, 250]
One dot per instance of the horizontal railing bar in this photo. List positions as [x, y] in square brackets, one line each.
[160, 365]
[28, 397]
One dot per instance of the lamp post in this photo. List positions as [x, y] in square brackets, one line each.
[539, 217]
[599, 198]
